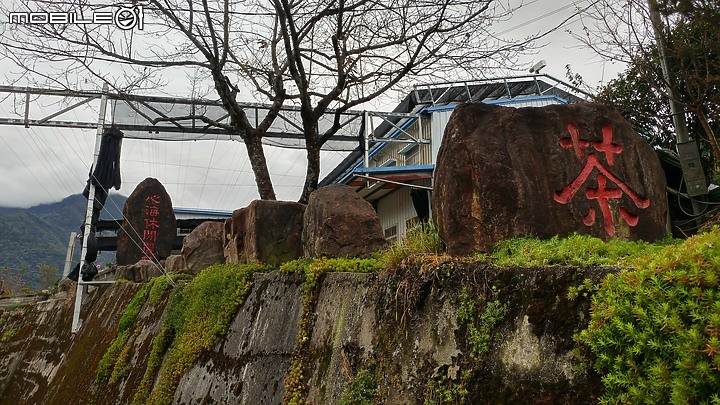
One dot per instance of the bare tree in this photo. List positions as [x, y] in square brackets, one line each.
[322, 56]
[624, 31]
[342, 53]
[177, 37]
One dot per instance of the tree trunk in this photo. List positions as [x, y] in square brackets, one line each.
[312, 175]
[711, 138]
[259, 167]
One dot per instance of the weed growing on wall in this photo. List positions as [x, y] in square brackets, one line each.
[479, 324]
[478, 314]
[443, 390]
[8, 335]
[654, 333]
[418, 241]
[361, 390]
[313, 269]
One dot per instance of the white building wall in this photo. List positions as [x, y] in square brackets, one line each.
[395, 210]
[392, 150]
[438, 120]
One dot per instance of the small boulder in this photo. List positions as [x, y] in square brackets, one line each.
[175, 264]
[265, 231]
[339, 223]
[140, 272]
[203, 247]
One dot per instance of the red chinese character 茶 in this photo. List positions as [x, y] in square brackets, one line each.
[603, 192]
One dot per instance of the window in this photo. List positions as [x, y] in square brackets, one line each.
[391, 234]
[411, 154]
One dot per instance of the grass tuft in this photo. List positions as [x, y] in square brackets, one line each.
[418, 241]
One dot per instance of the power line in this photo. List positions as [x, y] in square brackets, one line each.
[546, 15]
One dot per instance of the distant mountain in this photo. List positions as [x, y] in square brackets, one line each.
[40, 234]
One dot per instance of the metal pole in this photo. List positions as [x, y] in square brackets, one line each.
[677, 114]
[69, 256]
[687, 149]
[366, 135]
[81, 287]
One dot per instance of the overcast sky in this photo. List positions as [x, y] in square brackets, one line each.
[40, 165]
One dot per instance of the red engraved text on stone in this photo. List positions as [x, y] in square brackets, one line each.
[602, 193]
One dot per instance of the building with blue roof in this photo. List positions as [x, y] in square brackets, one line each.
[393, 168]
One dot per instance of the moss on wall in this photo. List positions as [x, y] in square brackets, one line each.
[429, 329]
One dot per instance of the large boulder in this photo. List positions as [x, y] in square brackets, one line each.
[504, 172]
[339, 223]
[149, 227]
[203, 247]
[265, 231]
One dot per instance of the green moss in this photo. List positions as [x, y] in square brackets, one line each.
[112, 367]
[654, 333]
[313, 269]
[8, 335]
[577, 250]
[198, 314]
[160, 345]
[159, 285]
[13, 307]
[128, 317]
[120, 369]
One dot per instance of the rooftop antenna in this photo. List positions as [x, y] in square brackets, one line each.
[536, 70]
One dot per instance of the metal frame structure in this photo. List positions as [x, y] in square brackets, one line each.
[153, 121]
[83, 286]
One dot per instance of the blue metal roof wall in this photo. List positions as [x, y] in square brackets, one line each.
[377, 148]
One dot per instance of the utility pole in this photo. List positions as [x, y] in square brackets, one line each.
[687, 148]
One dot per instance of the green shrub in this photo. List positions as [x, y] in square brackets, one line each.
[361, 390]
[654, 333]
